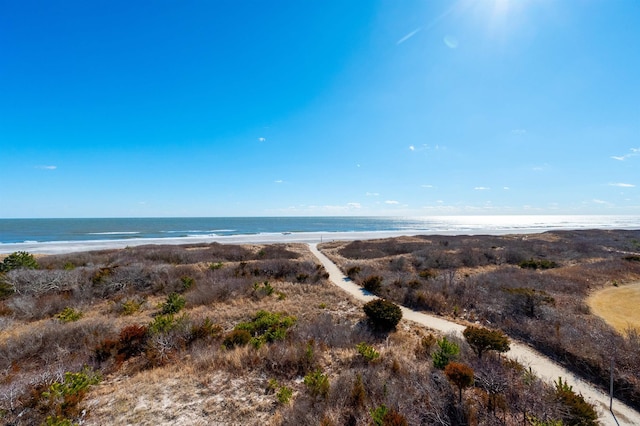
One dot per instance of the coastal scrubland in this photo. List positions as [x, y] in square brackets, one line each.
[256, 334]
[533, 287]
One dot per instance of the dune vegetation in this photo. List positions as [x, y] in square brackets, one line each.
[256, 334]
[534, 287]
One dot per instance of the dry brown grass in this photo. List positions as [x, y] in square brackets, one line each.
[192, 379]
[180, 394]
[618, 306]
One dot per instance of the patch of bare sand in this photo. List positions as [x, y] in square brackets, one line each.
[618, 306]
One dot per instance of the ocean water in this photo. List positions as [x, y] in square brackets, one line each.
[55, 235]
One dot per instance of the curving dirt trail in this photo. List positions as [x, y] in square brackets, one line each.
[542, 366]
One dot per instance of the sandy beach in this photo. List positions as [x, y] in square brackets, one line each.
[59, 247]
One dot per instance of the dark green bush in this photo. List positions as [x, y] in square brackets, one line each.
[372, 284]
[579, 411]
[17, 260]
[383, 315]
[482, 339]
[538, 264]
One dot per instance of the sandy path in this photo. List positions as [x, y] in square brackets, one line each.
[542, 366]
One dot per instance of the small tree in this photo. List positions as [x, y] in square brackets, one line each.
[482, 339]
[447, 352]
[383, 315]
[460, 375]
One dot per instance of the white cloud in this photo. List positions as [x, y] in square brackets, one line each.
[426, 186]
[506, 188]
[633, 152]
[599, 201]
[354, 205]
[262, 139]
[623, 185]
[392, 202]
[481, 188]
[46, 167]
[412, 148]
[408, 36]
[278, 181]
[372, 194]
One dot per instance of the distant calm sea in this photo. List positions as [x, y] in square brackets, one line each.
[82, 230]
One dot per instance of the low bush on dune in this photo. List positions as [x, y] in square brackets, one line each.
[383, 315]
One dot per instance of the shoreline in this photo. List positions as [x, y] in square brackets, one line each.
[62, 247]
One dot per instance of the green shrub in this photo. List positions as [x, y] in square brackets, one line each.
[68, 314]
[63, 397]
[215, 266]
[284, 395]
[579, 411]
[236, 338]
[18, 260]
[447, 351]
[173, 305]
[372, 284]
[317, 383]
[187, 282]
[537, 264]
[383, 315]
[166, 323]
[368, 352]
[267, 327]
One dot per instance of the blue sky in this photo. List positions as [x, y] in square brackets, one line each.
[277, 108]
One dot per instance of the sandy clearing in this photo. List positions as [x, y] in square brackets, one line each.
[618, 306]
[542, 366]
